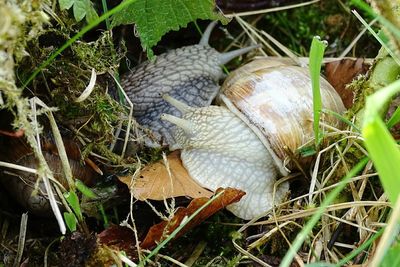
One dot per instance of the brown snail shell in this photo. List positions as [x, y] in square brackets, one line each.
[21, 185]
[275, 100]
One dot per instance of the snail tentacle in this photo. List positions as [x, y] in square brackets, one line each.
[182, 107]
[228, 56]
[185, 125]
[207, 33]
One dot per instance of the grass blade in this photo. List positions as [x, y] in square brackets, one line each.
[379, 142]
[316, 56]
[385, 154]
[394, 119]
[364, 6]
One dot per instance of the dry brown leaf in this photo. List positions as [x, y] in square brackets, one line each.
[155, 183]
[342, 72]
[119, 238]
[160, 231]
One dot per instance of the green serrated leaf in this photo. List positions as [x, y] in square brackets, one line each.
[79, 9]
[91, 14]
[154, 18]
[65, 4]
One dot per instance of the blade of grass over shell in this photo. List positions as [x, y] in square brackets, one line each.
[316, 56]
[381, 146]
[287, 260]
[77, 36]
[179, 228]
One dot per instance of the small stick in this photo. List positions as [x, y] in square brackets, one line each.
[21, 239]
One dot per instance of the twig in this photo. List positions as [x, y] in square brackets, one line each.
[21, 239]
[269, 10]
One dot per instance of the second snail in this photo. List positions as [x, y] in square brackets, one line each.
[264, 115]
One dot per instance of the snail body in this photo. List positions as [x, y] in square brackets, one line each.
[266, 109]
[189, 74]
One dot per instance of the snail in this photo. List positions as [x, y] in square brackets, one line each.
[190, 74]
[265, 110]
[21, 185]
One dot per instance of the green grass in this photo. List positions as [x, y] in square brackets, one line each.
[316, 56]
[382, 148]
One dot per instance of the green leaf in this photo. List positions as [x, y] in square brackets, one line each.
[73, 201]
[70, 220]
[84, 189]
[65, 4]
[91, 14]
[392, 257]
[154, 18]
[79, 9]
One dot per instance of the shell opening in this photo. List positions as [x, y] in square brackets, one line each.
[182, 107]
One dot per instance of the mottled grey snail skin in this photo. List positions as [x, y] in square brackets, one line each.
[217, 144]
[189, 74]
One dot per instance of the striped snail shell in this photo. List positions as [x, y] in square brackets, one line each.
[266, 110]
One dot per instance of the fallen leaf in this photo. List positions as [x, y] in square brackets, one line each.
[159, 232]
[119, 238]
[342, 72]
[154, 181]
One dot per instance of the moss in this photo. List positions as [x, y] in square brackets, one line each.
[99, 54]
